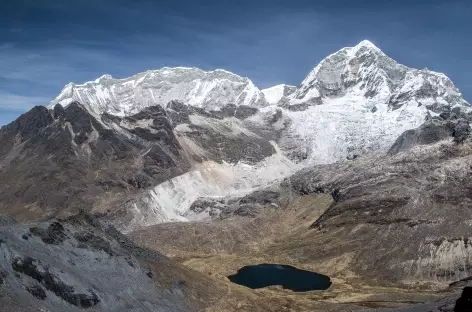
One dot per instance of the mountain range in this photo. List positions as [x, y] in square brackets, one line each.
[361, 172]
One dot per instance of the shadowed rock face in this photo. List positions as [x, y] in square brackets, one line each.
[224, 135]
[464, 303]
[64, 159]
[28, 267]
[180, 112]
[432, 131]
[76, 272]
[54, 234]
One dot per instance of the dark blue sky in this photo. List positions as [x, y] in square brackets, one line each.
[44, 44]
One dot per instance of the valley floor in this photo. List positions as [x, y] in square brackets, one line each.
[219, 248]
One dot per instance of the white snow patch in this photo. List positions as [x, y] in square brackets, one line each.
[346, 126]
[274, 94]
[171, 200]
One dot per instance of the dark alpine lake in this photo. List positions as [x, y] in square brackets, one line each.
[289, 277]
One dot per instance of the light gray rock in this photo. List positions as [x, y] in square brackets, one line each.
[76, 264]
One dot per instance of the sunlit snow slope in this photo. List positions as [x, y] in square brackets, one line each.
[359, 99]
[274, 95]
[209, 90]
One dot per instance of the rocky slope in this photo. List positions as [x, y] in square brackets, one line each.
[62, 160]
[141, 169]
[77, 264]
[411, 207]
[82, 264]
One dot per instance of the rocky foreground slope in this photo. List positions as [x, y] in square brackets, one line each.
[76, 264]
[82, 264]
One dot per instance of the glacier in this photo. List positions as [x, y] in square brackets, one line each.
[170, 201]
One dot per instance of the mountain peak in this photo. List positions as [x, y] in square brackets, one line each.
[205, 89]
[103, 77]
[366, 71]
[367, 44]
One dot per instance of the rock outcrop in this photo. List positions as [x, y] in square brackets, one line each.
[76, 264]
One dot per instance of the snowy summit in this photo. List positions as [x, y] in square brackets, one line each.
[205, 89]
[356, 100]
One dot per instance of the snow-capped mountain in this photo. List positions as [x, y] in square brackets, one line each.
[209, 90]
[364, 70]
[276, 169]
[274, 95]
[356, 100]
[359, 99]
[176, 134]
